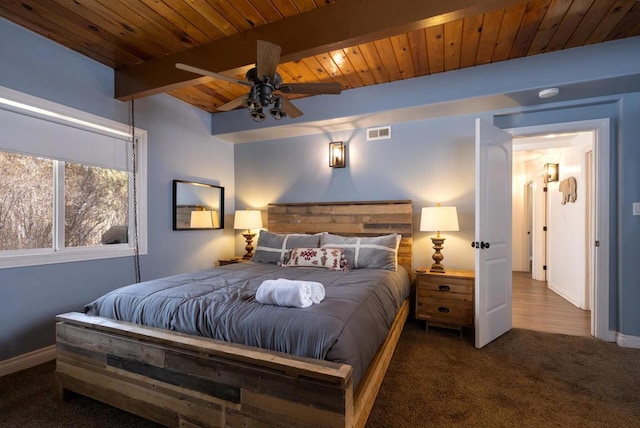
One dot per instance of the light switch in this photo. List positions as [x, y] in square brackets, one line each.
[636, 208]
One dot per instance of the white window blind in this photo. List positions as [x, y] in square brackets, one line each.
[30, 133]
[37, 127]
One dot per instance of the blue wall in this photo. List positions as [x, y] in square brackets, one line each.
[180, 146]
[431, 158]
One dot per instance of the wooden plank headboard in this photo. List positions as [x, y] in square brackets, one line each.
[369, 218]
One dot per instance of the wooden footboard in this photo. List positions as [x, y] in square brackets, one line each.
[180, 380]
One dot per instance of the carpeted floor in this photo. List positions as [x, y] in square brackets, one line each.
[523, 379]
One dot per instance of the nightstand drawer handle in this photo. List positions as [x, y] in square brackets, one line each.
[444, 288]
[443, 309]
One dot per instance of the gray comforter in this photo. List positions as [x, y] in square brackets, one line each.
[348, 326]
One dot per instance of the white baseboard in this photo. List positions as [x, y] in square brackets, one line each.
[28, 360]
[627, 341]
[566, 296]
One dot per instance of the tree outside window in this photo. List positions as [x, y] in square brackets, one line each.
[95, 203]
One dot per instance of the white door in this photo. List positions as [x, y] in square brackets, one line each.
[493, 233]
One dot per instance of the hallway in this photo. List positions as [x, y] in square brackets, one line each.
[535, 307]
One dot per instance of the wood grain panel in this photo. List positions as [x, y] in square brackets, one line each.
[419, 53]
[508, 31]
[151, 22]
[489, 37]
[550, 23]
[471, 31]
[143, 39]
[360, 65]
[346, 68]
[569, 24]
[533, 16]
[630, 24]
[402, 54]
[588, 24]
[435, 48]
[371, 56]
[107, 22]
[82, 39]
[452, 45]
[271, 388]
[391, 68]
[103, 29]
[536, 307]
[348, 219]
[609, 22]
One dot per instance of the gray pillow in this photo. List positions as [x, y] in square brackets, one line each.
[379, 252]
[275, 248]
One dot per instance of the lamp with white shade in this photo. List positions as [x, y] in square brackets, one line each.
[438, 219]
[248, 219]
[204, 219]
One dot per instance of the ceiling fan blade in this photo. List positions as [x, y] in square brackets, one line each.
[237, 102]
[291, 110]
[268, 58]
[208, 73]
[311, 88]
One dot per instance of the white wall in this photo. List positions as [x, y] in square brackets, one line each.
[180, 146]
[566, 246]
[519, 241]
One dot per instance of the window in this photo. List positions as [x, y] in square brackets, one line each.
[67, 188]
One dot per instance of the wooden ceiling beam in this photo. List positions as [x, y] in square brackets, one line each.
[336, 26]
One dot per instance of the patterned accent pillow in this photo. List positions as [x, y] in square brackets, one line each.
[379, 252]
[275, 248]
[328, 258]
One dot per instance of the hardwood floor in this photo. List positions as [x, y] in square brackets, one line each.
[535, 307]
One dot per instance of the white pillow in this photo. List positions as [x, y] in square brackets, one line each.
[378, 252]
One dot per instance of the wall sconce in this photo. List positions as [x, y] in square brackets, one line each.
[337, 154]
[550, 172]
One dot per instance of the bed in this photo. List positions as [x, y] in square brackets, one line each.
[179, 379]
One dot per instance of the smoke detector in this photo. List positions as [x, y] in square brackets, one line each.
[548, 93]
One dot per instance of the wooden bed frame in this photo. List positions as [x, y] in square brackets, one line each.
[186, 381]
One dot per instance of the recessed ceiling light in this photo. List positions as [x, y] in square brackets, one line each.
[548, 93]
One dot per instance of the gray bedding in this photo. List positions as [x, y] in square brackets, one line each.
[348, 326]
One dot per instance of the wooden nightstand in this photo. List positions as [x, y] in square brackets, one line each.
[224, 262]
[445, 299]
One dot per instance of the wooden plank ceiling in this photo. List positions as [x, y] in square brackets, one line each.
[354, 42]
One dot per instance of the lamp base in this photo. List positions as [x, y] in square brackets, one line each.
[437, 255]
[249, 247]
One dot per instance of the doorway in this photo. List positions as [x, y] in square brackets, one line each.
[588, 163]
[553, 297]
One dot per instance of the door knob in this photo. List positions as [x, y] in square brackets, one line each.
[484, 245]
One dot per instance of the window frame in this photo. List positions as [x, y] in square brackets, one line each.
[41, 109]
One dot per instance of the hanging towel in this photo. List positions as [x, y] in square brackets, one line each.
[291, 293]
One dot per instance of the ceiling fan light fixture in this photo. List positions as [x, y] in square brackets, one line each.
[253, 100]
[266, 93]
[257, 115]
[276, 112]
[264, 82]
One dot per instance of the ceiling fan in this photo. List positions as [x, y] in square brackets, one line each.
[263, 81]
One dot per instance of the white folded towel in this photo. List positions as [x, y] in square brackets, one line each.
[317, 291]
[286, 292]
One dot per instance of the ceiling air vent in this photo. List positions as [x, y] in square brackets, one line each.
[381, 133]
